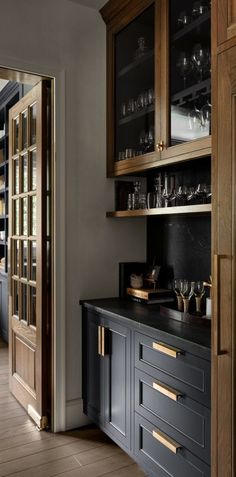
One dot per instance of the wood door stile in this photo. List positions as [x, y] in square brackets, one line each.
[28, 300]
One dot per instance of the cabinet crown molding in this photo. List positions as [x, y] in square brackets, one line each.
[112, 8]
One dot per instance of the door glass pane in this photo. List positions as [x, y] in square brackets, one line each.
[190, 70]
[33, 124]
[25, 215]
[16, 176]
[33, 170]
[16, 135]
[16, 217]
[15, 298]
[33, 261]
[32, 318]
[33, 215]
[24, 130]
[134, 63]
[24, 258]
[16, 257]
[24, 301]
[25, 173]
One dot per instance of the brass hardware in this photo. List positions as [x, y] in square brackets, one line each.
[160, 146]
[169, 350]
[217, 311]
[169, 392]
[103, 342]
[99, 340]
[166, 441]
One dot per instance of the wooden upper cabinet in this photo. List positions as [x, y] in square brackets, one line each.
[225, 20]
[158, 83]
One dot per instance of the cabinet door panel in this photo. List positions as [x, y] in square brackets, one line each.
[117, 382]
[226, 20]
[93, 377]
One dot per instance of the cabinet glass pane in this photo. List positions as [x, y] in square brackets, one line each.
[134, 84]
[16, 135]
[16, 217]
[24, 130]
[33, 260]
[24, 302]
[16, 176]
[25, 215]
[33, 176]
[24, 258]
[33, 124]
[32, 318]
[190, 70]
[25, 173]
[33, 215]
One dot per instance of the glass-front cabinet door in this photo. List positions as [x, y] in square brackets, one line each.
[134, 90]
[190, 71]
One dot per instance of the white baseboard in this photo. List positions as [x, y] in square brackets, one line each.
[74, 414]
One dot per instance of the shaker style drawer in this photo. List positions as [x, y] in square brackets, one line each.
[167, 407]
[164, 456]
[181, 368]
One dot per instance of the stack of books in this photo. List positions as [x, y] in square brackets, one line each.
[145, 295]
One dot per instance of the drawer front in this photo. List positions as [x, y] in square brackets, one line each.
[170, 407]
[162, 456]
[181, 367]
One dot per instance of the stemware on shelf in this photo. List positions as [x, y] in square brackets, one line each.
[176, 288]
[183, 19]
[142, 48]
[154, 199]
[206, 116]
[186, 292]
[199, 8]
[201, 61]
[195, 120]
[136, 195]
[198, 291]
[185, 66]
[169, 187]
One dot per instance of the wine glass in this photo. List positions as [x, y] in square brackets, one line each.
[206, 116]
[199, 8]
[200, 60]
[201, 193]
[168, 191]
[151, 96]
[176, 288]
[183, 19]
[195, 120]
[184, 65]
[186, 292]
[142, 48]
[198, 291]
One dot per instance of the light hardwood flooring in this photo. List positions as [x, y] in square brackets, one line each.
[25, 452]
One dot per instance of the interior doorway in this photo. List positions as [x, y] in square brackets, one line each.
[26, 238]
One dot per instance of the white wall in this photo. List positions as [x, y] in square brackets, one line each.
[61, 35]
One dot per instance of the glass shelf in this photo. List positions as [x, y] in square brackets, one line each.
[191, 26]
[136, 63]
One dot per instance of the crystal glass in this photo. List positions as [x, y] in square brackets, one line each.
[184, 66]
[168, 190]
[186, 292]
[136, 195]
[200, 60]
[183, 19]
[176, 288]
[199, 8]
[142, 48]
[206, 116]
[195, 120]
[201, 193]
[151, 96]
[198, 291]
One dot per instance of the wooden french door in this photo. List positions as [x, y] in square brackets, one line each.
[29, 311]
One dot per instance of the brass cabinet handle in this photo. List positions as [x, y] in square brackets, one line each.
[217, 294]
[166, 441]
[167, 391]
[99, 340]
[160, 146]
[169, 350]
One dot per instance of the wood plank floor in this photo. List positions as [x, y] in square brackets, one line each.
[25, 452]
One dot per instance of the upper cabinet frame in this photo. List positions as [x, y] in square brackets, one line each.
[118, 15]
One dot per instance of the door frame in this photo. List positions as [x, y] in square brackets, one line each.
[21, 71]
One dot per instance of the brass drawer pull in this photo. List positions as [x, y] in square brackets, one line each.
[99, 340]
[103, 342]
[169, 392]
[169, 350]
[166, 441]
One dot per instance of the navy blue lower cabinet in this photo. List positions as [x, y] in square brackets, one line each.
[162, 456]
[107, 375]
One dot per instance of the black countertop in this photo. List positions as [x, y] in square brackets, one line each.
[149, 316]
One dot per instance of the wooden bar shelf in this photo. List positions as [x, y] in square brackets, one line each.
[191, 26]
[138, 114]
[185, 209]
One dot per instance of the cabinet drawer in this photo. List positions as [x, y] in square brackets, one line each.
[163, 456]
[169, 407]
[157, 358]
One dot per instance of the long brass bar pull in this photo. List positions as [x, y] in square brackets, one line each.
[100, 340]
[169, 350]
[167, 391]
[166, 441]
[216, 300]
[103, 341]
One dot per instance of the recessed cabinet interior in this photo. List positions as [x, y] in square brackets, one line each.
[159, 88]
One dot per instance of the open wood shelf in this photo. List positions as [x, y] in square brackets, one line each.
[185, 209]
